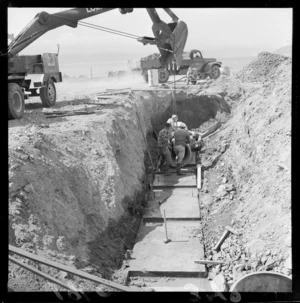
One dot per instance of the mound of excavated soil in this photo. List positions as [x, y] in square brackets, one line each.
[266, 67]
[250, 184]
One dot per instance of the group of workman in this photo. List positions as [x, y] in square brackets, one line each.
[175, 135]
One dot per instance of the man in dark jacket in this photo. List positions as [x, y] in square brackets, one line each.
[182, 138]
[163, 143]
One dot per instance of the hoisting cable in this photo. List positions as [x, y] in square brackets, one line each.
[174, 85]
[114, 31]
[109, 30]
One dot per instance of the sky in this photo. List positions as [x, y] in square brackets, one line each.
[217, 32]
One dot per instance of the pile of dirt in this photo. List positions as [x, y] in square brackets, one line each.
[263, 68]
[151, 57]
[252, 154]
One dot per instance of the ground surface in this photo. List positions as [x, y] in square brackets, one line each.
[76, 183]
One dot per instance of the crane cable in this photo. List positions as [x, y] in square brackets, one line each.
[114, 31]
[174, 83]
[109, 30]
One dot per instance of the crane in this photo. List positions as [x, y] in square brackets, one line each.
[39, 72]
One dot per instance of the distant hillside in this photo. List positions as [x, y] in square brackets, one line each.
[285, 50]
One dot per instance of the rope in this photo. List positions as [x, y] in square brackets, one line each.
[174, 85]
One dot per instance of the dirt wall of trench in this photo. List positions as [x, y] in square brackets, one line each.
[76, 184]
[248, 187]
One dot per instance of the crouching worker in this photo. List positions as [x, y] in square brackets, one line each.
[164, 137]
[197, 143]
[182, 138]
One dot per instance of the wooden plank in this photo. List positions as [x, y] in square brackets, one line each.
[222, 239]
[69, 114]
[199, 176]
[115, 89]
[211, 130]
[151, 90]
[208, 262]
[38, 272]
[231, 230]
[68, 269]
[161, 181]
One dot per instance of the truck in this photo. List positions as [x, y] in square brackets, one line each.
[193, 64]
[36, 75]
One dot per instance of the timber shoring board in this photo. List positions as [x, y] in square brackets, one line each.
[162, 181]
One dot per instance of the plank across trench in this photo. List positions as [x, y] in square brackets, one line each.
[162, 181]
[171, 283]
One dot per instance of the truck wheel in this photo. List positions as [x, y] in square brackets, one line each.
[16, 104]
[48, 94]
[163, 75]
[215, 72]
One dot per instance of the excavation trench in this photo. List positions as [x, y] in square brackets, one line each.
[79, 185]
[78, 191]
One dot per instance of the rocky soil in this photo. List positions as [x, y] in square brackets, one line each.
[77, 184]
[248, 183]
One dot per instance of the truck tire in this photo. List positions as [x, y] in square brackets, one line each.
[215, 72]
[16, 104]
[163, 75]
[48, 94]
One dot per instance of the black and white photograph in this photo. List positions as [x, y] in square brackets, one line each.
[149, 150]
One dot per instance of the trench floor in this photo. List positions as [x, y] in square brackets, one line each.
[170, 266]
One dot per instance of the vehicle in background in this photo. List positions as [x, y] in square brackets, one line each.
[192, 61]
[35, 75]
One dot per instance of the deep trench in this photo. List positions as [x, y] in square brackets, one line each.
[107, 250]
[193, 111]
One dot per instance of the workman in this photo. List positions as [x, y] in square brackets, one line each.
[179, 124]
[173, 121]
[182, 137]
[196, 141]
[163, 143]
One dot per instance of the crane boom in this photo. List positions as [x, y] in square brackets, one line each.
[169, 38]
[36, 75]
[44, 22]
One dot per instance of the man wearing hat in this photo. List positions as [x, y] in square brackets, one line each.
[164, 138]
[182, 137]
[173, 121]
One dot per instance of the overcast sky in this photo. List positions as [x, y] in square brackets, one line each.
[226, 31]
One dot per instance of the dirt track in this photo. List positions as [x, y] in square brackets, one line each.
[77, 182]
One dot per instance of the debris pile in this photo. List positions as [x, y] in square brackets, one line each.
[263, 68]
[241, 258]
[248, 186]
